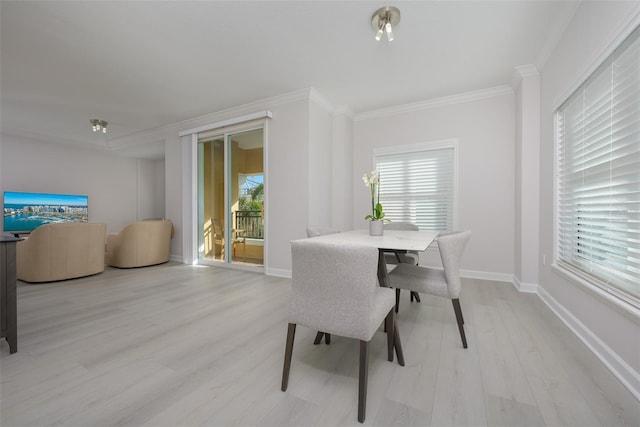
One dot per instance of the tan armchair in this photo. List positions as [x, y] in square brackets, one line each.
[140, 244]
[61, 251]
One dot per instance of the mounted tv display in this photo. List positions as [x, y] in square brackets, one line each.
[24, 212]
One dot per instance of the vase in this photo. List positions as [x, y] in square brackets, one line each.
[376, 228]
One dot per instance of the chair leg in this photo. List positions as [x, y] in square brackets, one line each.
[460, 320]
[415, 295]
[319, 335]
[397, 299]
[398, 345]
[389, 324]
[362, 386]
[318, 339]
[288, 350]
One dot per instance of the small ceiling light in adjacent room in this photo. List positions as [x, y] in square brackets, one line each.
[383, 21]
[98, 125]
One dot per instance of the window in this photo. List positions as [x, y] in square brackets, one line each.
[598, 176]
[418, 184]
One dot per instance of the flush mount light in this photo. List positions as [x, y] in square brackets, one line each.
[383, 21]
[98, 125]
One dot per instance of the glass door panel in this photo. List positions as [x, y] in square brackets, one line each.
[246, 197]
[211, 210]
[231, 197]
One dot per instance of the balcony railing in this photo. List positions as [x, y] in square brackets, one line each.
[251, 222]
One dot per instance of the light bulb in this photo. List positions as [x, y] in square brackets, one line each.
[389, 31]
[379, 34]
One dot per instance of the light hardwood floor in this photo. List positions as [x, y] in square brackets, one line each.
[178, 345]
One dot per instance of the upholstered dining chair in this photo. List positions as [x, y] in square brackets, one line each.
[411, 257]
[334, 288]
[444, 283]
[314, 231]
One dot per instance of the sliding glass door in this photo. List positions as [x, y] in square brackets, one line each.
[231, 197]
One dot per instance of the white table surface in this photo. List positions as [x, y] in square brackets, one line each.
[402, 240]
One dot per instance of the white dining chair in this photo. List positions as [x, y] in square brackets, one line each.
[410, 257]
[314, 231]
[440, 282]
[334, 288]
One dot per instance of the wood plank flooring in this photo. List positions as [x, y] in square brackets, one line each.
[178, 345]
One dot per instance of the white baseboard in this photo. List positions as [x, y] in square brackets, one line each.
[278, 272]
[530, 288]
[485, 275]
[621, 369]
[177, 258]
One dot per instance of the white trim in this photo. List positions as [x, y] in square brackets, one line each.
[612, 301]
[265, 114]
[627, 27]
[529, 288]
[523, 71]
[426, 146]
[278, 272]
[436, 102]
[320, 100]
[487, 275]
[621, 369]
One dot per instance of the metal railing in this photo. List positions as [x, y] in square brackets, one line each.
[251, 222]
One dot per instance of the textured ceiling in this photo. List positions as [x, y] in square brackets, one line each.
[142, 65]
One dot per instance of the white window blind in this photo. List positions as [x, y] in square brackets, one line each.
[418, 187]
[598, 171]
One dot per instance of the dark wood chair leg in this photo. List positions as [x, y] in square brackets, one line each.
[362, 387]
[459, 319]
[318, 339]
[389, 324]
[415, 295]
[397, 299]
[398, 345]
[288, 350]
[327, 338]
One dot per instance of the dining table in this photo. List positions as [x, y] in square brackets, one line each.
[396, 241]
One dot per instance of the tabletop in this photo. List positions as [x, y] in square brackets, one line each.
[401, 240]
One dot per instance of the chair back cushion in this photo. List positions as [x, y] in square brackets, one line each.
[62, 251]
[334, 289]
[140, 244]
[451, 246]
[320, 231]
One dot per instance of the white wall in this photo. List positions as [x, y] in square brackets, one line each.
[319, 172]
[112, 182]
[527, 188]
[342, 170]
[484, 129]
[612, 333]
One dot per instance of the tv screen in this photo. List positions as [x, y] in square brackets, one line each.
[24, 212]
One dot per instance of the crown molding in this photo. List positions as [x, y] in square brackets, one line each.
[436, 102]
[523, 71]
[218, 116]
[318, 98]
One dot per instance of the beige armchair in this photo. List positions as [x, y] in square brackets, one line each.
[140, 244]
[61, 251]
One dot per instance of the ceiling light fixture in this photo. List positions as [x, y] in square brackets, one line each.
[383, 20]
[98, 125]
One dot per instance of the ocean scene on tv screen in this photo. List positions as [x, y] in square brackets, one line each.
[28, 211]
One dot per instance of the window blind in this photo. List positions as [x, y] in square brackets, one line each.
[418, 187]
[598, 175]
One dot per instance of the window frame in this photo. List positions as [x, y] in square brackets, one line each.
[619, 299]
[451, 143]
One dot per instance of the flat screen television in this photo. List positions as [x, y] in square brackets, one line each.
[24, 212]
